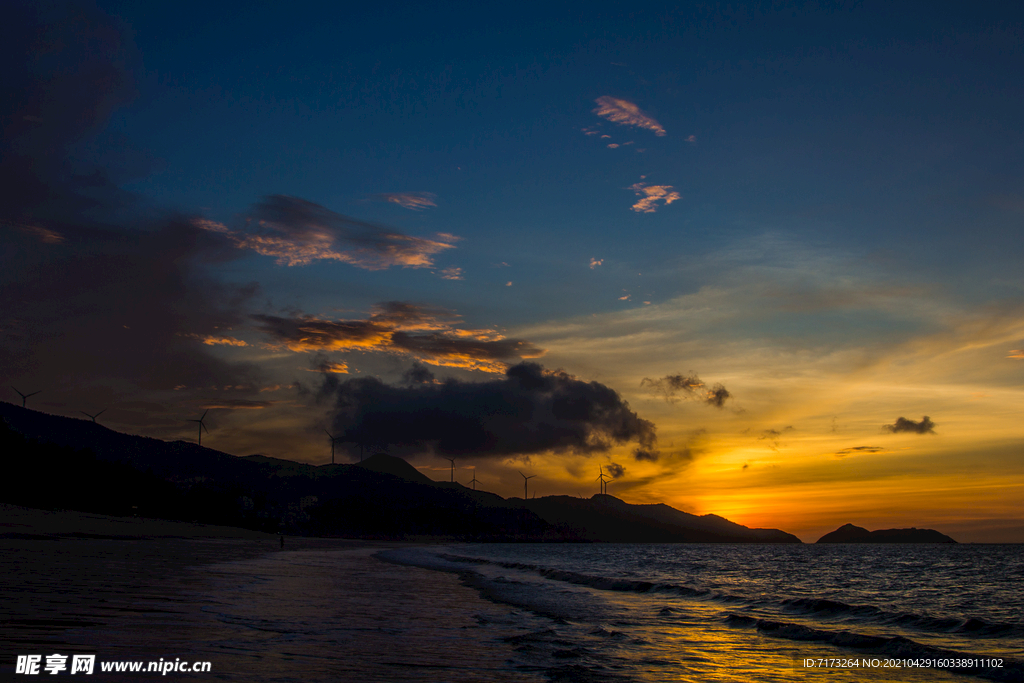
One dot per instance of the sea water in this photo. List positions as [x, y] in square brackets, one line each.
[489, 613]
[725, 612]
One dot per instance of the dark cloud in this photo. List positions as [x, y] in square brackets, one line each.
[418, 374]
[902, 424]
[854, 450]
[530, 410]
[298, 232]
[100, 299]
[614, 470]
[429, 334]
[689, 387]
[66, 68]
[126, 307]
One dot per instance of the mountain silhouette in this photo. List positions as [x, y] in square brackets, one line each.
[848, 533]
[66, 463]
[389, 464]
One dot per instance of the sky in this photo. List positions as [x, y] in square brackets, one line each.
[760, 260]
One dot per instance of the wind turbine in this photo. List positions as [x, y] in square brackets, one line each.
[333, 439]
[452, 461]
[202, 426]
[526, 480]
[473, 480]
[93, 416]
[24, 396]
[604, 486]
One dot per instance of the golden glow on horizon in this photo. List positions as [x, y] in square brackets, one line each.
[801, 445]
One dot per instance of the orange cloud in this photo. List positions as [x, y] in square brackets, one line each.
[595, 262]
[297, 233]
[417, 201]
[626, 113]
[336, 368]
[452, 273]
[222, 341]
[650, 195]
[428, 334]
[1017, 353]
[211, 340]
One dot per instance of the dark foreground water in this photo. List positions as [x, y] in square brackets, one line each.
[518, 612]
[757, 612]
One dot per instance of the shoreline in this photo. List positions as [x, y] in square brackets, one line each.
[319, 609]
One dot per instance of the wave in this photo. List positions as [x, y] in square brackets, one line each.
[891, 646]
[818, 607]
[579, 579]
[970, 626]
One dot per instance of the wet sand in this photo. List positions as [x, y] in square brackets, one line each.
[318, 610]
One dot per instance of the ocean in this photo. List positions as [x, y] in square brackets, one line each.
[725, 612]
[518, 612]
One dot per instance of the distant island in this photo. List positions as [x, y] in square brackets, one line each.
[54, 462]
[848, 533]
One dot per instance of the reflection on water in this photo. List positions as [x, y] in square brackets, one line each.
[307, 615]
[755, 612]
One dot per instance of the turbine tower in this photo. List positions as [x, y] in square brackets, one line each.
[333, 439]
[452, 461]
[526, 480]
[473, 480]
[93, 416]
[600, 477]
[202, 426]
[24, 396]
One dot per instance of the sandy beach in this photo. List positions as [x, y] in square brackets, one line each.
[126, 589]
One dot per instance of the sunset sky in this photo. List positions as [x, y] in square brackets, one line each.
[763, 261]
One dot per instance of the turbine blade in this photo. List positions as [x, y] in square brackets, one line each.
[204, 414]
[204, 427]
[100, 413]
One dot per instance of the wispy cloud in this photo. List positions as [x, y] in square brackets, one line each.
[650, 195]
[1017, 353]
[431, 335]
[236, 404]
[773, 437]
[452, 273]
[672, 387]
[297, 232]
[691, 139]
[215, 340]
[857, 450]
[45, 235]
[902, 424]
[417, 201]
[595, 262]
[626, 113]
